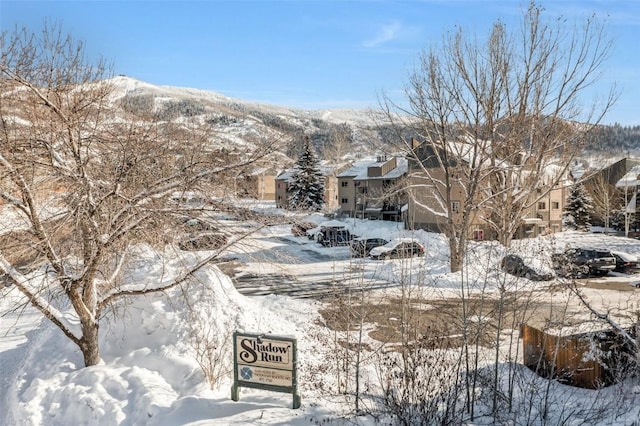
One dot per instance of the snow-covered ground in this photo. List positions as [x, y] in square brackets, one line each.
[150, 373]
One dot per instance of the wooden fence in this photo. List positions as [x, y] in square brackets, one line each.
[586, 360]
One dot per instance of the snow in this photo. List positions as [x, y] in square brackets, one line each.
[149, 375]
[630, 179]
[359, 118]
[625, 256]
[359, 169]
[333, 224]
[376, 251]
[149, 372]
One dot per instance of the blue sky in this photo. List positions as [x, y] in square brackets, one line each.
[313, 54]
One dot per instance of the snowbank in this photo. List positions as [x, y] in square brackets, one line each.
[149, 373]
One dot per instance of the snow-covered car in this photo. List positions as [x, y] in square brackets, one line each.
[361, 247]
[398, 248]
[312, 232]
[625, 262]
[331, 233]
[515, 265]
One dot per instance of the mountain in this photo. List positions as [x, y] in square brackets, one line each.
[237, 122]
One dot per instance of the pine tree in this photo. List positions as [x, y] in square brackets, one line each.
[577, 213]
[306, 185]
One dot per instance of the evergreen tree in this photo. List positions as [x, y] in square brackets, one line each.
[617, 219]
[306, 186]
[578, 210]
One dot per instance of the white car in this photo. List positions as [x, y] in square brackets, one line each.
[625, 262]
[398, 248]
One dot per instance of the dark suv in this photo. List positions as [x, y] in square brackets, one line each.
[515, 265]
[577, 262]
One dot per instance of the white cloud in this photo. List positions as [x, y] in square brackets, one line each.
[387, 33]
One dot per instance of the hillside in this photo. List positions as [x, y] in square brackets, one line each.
[234, 123]
[238, 122]
[616, 139]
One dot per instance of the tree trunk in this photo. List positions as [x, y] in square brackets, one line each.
[505, 235]
[455, 254]
[89, 343]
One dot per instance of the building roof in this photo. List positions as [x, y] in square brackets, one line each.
[630, 178]
[285, 175]
[262, 171]
[358, 171]
[402, 166]
[357, 168]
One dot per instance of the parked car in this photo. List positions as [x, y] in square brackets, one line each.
[625, 262]
[398, 248]
[331, 233]
[579, 262]
[515, 265]
[335, 237]
[361, 247]
[206, 241]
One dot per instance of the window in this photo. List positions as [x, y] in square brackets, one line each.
[344, 201]
[357, 183]
[478, 235]
[344, 184]
[542, 205]
[278, 184]
[555, 205]
[455, 206]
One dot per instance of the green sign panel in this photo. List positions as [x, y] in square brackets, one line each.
[264, 362]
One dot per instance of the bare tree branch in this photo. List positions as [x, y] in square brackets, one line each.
[491, 125]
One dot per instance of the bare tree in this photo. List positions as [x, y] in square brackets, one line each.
[606, 198]
[495, 122]
[86, 183]
[339, 144]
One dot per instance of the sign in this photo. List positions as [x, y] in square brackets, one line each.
[263, 351]
[264, 362]
[266, 375]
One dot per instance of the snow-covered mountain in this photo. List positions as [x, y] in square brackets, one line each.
[236, 121]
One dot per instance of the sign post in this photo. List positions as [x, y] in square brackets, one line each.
[265, 362]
